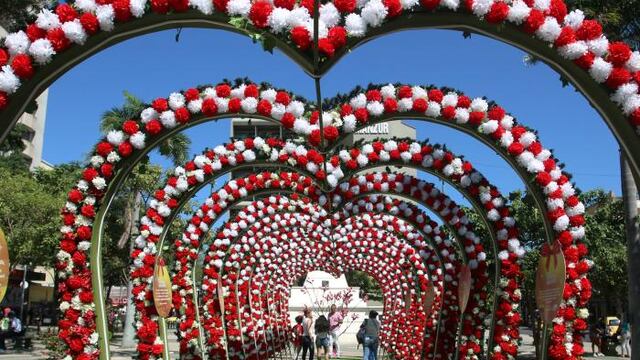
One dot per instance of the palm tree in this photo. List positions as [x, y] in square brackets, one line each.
[140, 183]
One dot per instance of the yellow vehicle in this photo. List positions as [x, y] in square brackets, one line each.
[611, 324]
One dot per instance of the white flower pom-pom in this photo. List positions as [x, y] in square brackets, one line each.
[374, 13]
[137, 7]
[451, 4]
[518, 11]
[355, 25]
[481, 7]
[115, 137]
[298, 17]
[574, 19]
[85, 5]
[17, 43]
[600, 70]
[106, 16]
[296, 108]
[168, 119]
[573, 50]
[599, 46]
[633, 64]
[74, 31]
[631, 104]
[329, 14]
[239, 7]
[279, 19]
[350, 123]
[47, 20]
[137, 140]
[42, 51]
[9, 82]
[408, 4]
[550, 29]
[204, 6]
[176, 101]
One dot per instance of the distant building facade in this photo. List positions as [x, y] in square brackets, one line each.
[35, 122]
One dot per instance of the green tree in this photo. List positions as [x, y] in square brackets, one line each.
[15, 14]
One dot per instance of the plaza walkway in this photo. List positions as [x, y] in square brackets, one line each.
[39, 352]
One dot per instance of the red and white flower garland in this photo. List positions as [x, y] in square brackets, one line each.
[575, 38]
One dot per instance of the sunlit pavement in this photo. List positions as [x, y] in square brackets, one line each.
[349, 350]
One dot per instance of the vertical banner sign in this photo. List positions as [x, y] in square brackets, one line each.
[464, 287]
[4, 265]
[550, 279]
[162, 289]
[429, 297]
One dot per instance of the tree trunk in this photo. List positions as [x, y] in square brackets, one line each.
[630, 198]
[129, 319]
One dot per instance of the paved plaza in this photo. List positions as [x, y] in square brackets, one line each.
[349, 350]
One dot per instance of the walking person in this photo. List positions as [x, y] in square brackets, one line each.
[371, 327]
[308, 335]
[625, 341]
[297, 335]
[595, 335]
[335, 321]
[14, 330]
[322, 337]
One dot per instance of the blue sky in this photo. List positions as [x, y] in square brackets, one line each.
[155, 65]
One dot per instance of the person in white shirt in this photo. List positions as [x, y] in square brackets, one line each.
[308, 335]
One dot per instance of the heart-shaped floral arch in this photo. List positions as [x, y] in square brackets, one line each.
[518, 145]
[450, 212]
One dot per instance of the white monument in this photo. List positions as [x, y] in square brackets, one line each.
[321, 290]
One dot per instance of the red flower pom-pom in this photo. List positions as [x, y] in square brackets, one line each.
[301, 37]
[498, 12]
[66, 13]
[430, 4]
[89, 23]
[264, 107]
[287, 4]
[192, 94]
[209, 107]
[405, 92]
[34, 32]
[326, 47]
[345, 6]
[338, 36]
[130, 127]
[235, 105]
[288, 120]
[390, 105]
[221, 5]
[309, 5]
[223, 90]
[619, 76]
[182, 115]
[160, 6]
[22, 66]
[567, 36]
[420, 105]
[125, 149]
[153, 127]
[393, 6]
[619, 53]
[251, 90]
[4, 57]
[58, 39]
[259, 13]
[283, 98]
[160, 105]
[104, 148]
[558, 9]
[331, 133]
[121, 9]
[179, 5]
[533, 21]
[436, 95]
[589, 30]
[586, 60]
[314, 137]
